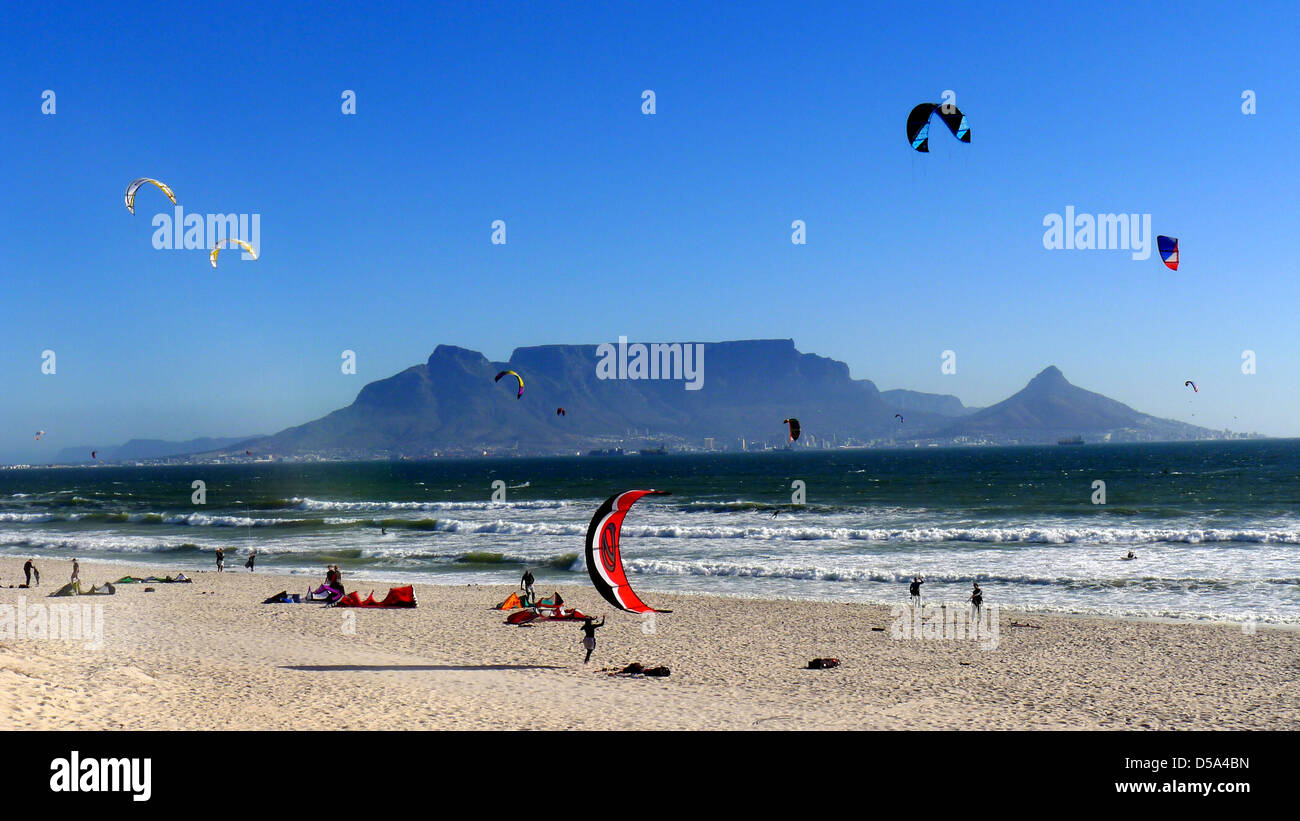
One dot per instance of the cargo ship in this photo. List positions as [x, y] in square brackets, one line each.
[1073, 440]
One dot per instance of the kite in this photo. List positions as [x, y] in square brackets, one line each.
[92, 454]
[899, 417]
[794, 427]
[559, 412]
[39, 434]
[516, 376]
[212, 257]
[604, 559]
[1168, 251]
[918, 124]
[131, 189]
[1193, 384]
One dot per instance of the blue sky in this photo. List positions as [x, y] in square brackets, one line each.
[375, 228]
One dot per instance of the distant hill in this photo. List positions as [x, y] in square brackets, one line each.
[1049, 408]
[942, 404]
[450, 403]
[141, 449]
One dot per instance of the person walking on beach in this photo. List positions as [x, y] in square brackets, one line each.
[589, 628]
[527, 584]
[221, 560]
[977, 598]
[252, 559]
[76, 571]
[915, 589]
[29, 569]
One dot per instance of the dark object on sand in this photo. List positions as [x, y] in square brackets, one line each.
[877, 629]
[638, 669]
[148, 590]
[823, 664]
[1026, 624]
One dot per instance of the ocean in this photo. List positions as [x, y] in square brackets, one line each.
[1214, 524]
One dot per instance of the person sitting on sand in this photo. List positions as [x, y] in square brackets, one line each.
[915, 589]
[588, 629]
[977, 598]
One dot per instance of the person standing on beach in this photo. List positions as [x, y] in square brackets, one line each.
[589, 628]
[252, 559]
[221, 560]
[527, 584]
[29, 569]
[977, 598]
[915, 589]
[76, 571]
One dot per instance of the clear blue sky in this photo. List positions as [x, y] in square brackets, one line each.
[375, 232]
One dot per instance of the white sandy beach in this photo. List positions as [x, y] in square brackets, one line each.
[209, 655]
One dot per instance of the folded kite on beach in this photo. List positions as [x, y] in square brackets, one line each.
[512, 602]
[544, 614]
[285, 597]
[180, 579]
[74, 589]
[325, 593]
[397, 597]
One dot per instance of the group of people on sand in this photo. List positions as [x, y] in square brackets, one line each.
[589, 625]
[221, 560]
[914, 589]
[334, 577]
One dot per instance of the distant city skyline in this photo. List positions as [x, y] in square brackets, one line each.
[377, 228]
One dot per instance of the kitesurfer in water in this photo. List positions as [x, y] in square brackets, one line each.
[589, 628]
[977, 598]
[915, 589]
[1131, 555]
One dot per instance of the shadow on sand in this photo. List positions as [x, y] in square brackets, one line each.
[368, 668]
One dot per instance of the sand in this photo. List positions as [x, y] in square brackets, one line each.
[210, 656]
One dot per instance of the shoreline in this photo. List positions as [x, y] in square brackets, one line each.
[209, 655]
[237, 568]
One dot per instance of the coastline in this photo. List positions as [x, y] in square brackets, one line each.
[209, 655]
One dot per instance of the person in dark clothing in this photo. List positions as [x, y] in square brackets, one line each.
[526, 583]
[589, 628]
[221, 560]
[29, 569]
[977, 598]
[915, 589]
[252, 559]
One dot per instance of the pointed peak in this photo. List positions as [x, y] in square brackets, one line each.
[1051, 375]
